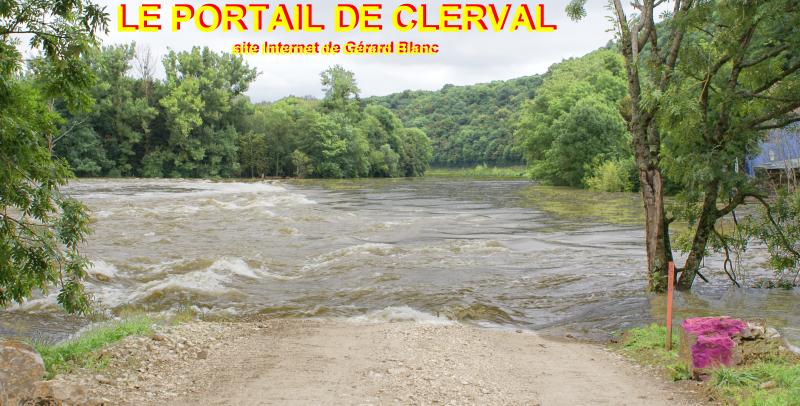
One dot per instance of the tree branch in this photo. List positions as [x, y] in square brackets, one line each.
[774, 114]
[778, 124]
[784, 240]
[768, 55]
[768, 84]
[727, 261]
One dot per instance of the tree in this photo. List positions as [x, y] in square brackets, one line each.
[341, 89]
[203, 107]
[574, 119]
[120, 117]
[708, 78]
[646, 78]
[738, 75]
[197, 123]
[302, 164]
[418, 151]
[40, 229]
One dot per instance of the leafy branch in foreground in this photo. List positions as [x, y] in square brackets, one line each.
[41, 229]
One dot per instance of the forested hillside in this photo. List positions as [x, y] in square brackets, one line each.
[198, 123]
[467, 125]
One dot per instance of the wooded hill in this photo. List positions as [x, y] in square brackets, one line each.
[467, 125]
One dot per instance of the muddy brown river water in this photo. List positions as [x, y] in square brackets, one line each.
[493, 252]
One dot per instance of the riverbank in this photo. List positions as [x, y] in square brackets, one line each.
[479, 171]
[768, 372]
[346, 362]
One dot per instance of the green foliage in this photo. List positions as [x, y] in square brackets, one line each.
[652, 337]
[612, 176]
[736, 377]
[197, 123]
[341, 90]
[480, 171]
[778, 226]
[679, 371]
[40, 229]
[105, 140]
[78, 353]
[737, 76]
[467, 125]
[576, 9]
[574, 119]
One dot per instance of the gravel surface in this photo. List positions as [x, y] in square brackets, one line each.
[343, 362]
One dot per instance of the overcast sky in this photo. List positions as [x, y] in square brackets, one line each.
[464, 57]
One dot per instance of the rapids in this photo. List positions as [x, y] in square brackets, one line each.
[507, 254]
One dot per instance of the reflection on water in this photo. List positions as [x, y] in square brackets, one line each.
[489, 252]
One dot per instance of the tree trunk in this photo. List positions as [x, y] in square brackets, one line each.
[643, 127]
[656, 236]
[705, 225]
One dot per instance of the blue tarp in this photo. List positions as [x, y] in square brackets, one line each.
[780, 150]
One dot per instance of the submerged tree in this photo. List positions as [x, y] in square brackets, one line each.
[709, 78]
[41, 229]
[738, 76]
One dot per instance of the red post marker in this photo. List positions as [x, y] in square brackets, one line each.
[670, 283]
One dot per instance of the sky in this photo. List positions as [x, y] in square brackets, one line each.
[464, 57]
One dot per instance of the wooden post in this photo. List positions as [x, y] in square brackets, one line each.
[670, 289]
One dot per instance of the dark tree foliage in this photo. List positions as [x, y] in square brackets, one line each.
[467, 125]
[198, 123]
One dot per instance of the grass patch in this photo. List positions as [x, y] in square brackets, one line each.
[479, 171]
[767, 383]
[77, 353]
[646, 346]
[771, 381]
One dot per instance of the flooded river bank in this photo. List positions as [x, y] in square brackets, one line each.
[492, 252]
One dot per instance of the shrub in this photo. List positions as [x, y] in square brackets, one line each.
[611, 176]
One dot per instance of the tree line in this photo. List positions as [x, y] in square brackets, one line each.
[197, 122]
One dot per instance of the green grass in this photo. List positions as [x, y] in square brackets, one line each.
[479, 171]
[771, 381]
[646, 346]
[79, 352]
[766, 383]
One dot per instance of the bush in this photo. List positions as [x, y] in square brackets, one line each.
[612, 176]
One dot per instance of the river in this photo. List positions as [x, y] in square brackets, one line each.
[499, 253]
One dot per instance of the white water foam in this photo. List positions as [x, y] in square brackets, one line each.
[102, 214]
[102, 271]
[394, 314]
[211, 280]
[235, 266]
[331, 258]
